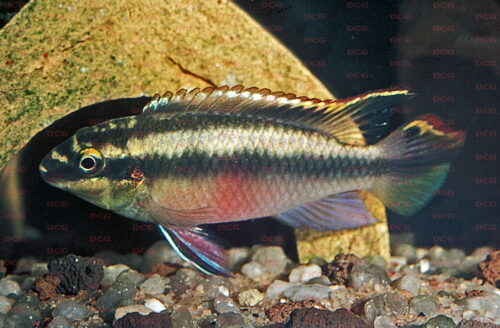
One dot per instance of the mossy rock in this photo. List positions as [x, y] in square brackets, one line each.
[65, 54]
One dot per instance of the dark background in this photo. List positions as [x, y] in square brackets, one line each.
[446, 52]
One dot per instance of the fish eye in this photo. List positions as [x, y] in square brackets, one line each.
[90, 161]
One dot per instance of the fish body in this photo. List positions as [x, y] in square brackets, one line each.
[221, 155]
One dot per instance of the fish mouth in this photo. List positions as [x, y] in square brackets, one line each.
[50, 172]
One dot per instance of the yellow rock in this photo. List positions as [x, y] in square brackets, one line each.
[60, 55]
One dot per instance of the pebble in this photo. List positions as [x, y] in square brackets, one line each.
[158, 253]
[487, 305]
[215, 286]
[316, 318]
[114, 295]
[323, 280]
[237, 257]
[183, 280]
[153, 285]
[223, 304]
[277, 287]
[24, 265]
[8, 287]
[181, 318]
[154, 305]
[230, 320]
[377, 260]
[407, 251]
[410, 282]
[5, 304]
[272, 261]
[71, 310]
[385, 304]
[475, 324]
[440, 321]
[130, 278]
[39, 269]
[124, 310]
[111, 273]
[136, 320]
[302, 292]
[304, 273]
[384, 322]
[59, 322]
[425, 304]
[367, 274]
[250, 297]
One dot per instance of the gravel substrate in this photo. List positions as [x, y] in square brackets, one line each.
[418, 288]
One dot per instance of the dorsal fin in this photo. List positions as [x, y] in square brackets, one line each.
[350, 120]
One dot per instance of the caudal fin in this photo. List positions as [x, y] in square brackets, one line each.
[419, 155]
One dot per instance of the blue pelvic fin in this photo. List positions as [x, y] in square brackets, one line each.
[195, 246]
[336, 212]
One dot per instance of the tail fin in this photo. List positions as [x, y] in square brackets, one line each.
[419, 155]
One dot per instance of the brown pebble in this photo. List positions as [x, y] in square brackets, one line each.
[47, 287]
[475, 324]
[136, 320]
[278, 313]
[316, 318]
[489, 269]
[471, 293]
[339, 270]
[164, 269]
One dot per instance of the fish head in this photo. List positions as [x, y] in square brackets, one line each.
[91, 165]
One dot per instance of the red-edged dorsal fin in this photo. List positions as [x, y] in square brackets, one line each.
[350, 121]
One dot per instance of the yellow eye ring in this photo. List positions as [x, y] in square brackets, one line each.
[90, 161]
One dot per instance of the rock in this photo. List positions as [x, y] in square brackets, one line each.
[71, 310]
[9, 287]
[327, 244]
[436, 253]
[440, 321]
[59, 322]
[110, 258]
[253, 270]
[376, 260]
[423, 304]
[47, 287]
[153, 285]
[39, 269]
[215, 286]
[76, 273]
[181, 318]
[130, 278]
[384, 322]
[409, 281]
[223, 304]
[250, 297]
[339, 270]
[135, 308]
[5, 304]
[111, 273]
[160, 252]
[136, 320]
[269, 261]
[302, 292]
[489, 269]
[24, 311]
[316, 318]
[487, 304]
[24, 265]
[322, 280]
[184, 279]
[165, 269]
[277, 287]
[385, 304]
[407, 251]
[154, 305]
[230, 320]
[237, 257]
[475, 324]
[367, 274]
[304, 273]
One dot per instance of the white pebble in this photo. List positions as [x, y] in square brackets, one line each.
[154, 305]
[304, 273]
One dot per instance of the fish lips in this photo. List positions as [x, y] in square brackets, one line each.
[54, 172]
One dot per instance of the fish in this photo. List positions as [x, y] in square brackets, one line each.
[225, 154]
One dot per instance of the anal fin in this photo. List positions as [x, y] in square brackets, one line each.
[195, 246]
[336, 212]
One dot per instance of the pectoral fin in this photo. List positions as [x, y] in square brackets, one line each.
[336, 212]
[196, 247]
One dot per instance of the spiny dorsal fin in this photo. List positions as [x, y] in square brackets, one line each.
[350, 121]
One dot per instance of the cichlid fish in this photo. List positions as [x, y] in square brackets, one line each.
[230, 154]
